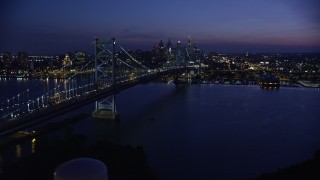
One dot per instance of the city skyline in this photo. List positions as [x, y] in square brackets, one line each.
[42, 27]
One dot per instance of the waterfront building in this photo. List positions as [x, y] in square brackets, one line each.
[7, 59]
[67, 61]
[269, 81]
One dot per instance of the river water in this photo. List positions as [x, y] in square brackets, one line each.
[209, 131]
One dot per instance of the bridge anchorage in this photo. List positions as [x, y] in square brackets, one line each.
[105, 76]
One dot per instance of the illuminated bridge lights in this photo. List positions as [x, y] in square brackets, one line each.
[79, 86]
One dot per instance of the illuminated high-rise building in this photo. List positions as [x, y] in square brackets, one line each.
[179, 44]
[189, 41]
[180, 54]
[169, 45]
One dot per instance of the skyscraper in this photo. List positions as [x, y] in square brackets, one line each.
[169, 46]
[180, 54]
[189, 41]
[179, 44]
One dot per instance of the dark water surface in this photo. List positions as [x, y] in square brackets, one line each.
[211, 131]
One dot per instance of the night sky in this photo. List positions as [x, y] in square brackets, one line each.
[59, 26]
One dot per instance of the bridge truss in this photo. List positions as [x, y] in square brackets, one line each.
[105, 76]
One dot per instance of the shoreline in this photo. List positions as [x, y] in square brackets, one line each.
[298, 84]
[20, 136]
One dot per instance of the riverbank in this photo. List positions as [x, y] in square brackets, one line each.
[299, 83]
[21, 136]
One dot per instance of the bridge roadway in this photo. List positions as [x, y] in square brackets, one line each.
[46, 113]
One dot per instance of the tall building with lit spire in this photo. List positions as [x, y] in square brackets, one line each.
[179, 44]
[169, 46]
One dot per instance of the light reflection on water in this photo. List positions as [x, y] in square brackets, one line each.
[18, 151]
[33, 145]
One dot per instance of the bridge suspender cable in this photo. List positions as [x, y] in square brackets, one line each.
[122, 61]
[127, 64]
[132, 57]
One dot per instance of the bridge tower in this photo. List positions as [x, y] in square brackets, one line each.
[105, 67]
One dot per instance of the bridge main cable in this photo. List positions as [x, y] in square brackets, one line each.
[133, 58]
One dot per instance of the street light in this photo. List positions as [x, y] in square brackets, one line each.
[18, 100]
[38, 102]
[42, 100]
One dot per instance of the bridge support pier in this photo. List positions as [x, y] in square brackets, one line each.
[105, 76]
[102, 114]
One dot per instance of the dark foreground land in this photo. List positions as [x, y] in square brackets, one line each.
[123, 162]
[309, 169]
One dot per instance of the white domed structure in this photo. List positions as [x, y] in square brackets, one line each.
[82, 169]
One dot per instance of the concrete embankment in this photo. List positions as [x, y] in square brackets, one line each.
[309, 84]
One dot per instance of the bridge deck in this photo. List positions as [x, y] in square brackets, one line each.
[51, 111]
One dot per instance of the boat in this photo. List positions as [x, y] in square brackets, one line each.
[269, 81]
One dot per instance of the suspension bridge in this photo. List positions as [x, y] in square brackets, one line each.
[98, 81]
